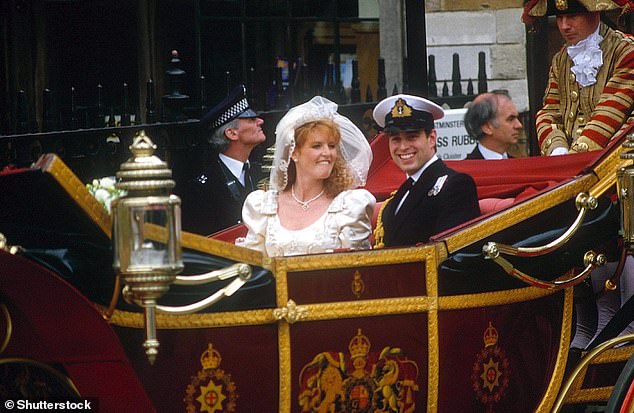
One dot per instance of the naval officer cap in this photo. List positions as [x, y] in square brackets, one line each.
[406, 113]
[235, 105]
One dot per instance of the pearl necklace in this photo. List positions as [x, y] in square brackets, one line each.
[305, 204]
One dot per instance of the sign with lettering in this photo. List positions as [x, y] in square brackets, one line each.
[453, 142]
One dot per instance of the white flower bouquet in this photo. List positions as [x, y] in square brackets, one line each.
[104, 191]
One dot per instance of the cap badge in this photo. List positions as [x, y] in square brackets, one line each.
[401, 109]
[437, 186]
[561, 4]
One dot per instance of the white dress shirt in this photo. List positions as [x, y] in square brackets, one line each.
[415, 177]
[489, 154]
[234, 165]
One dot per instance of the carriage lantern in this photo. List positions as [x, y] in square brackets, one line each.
[625, 186]
[147, 232]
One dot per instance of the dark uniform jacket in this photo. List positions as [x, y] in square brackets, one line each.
[441, 198]
[476, 154]
[213, 200]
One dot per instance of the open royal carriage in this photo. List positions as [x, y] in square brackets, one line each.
[477, 320]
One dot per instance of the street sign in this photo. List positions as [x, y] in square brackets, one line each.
[453, 142]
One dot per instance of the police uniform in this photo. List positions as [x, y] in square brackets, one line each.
[439, 199]
[213, 200]
[584, 118]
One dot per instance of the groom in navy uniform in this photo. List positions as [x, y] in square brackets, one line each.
[213, 200]
[434, 197]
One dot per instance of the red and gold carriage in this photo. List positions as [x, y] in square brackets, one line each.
[479, 319]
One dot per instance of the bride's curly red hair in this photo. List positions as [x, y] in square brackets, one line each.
[340, 179]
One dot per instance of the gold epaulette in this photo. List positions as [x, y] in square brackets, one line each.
[379, 231]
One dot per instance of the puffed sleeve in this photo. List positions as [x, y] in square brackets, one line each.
[355, 219]
[255, 221]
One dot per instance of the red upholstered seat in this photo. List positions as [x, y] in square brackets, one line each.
[11, 169]
[230, 234]
[488, 205]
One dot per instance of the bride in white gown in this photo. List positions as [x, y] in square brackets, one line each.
[312, 205]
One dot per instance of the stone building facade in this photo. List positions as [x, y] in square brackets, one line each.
[466, 27]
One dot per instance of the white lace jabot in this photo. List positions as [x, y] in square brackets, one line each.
[587, 58]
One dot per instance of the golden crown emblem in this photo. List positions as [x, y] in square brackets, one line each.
[358, 286]
[490, 336]
[210, 359]
[359, 345]
[561, 4]
[401, 109]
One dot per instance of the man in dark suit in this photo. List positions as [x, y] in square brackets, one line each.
[434, 197]
[213, 200]
[493, 120]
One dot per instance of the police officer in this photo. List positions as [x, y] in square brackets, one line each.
[213, 200]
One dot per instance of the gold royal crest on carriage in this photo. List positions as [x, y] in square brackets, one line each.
[360, 382]
[491, 370]
[211, 390]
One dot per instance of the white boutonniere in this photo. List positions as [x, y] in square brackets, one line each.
[104, 191]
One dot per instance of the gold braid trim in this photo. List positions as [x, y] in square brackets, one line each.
[379, 231]
[614, 355]
[594, 394]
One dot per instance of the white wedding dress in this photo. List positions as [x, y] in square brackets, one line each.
[345, 224]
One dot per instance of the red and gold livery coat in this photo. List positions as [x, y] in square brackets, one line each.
[585, 119]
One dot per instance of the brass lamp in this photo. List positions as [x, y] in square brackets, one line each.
[625, 187]
[147, 232]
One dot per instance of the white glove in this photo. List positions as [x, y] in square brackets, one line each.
[559, 151]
